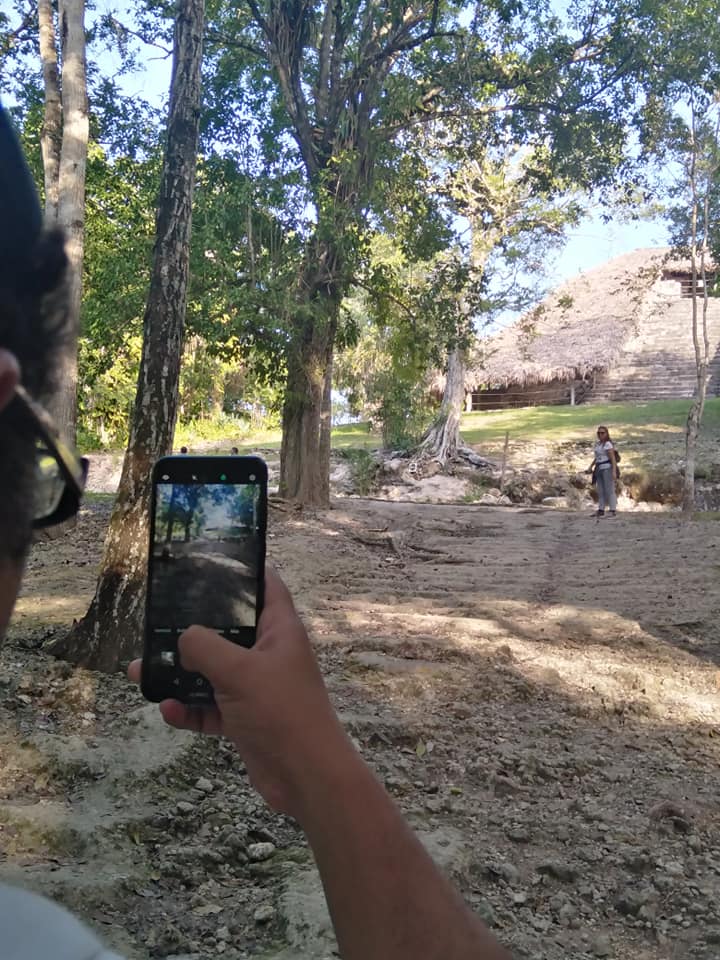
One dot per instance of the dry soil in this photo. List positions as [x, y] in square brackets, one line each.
[538, 691]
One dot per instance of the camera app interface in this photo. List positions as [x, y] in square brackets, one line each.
[204, 563]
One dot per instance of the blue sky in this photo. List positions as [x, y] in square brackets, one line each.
[593, 242]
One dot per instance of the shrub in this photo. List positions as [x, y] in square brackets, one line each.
[364, 469]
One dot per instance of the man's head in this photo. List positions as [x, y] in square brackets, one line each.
[33, 315]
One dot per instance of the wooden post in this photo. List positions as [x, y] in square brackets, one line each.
[468, 401]
[572, 394]
[504, 459]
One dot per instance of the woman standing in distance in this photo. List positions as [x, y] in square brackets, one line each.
[604, 468]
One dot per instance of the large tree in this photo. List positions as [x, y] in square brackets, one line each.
[336, 92]
[111, 629]
[64, 142]
[512, 219]
[679, 126]
[697, 145]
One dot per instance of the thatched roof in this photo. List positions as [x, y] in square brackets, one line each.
[579, 328]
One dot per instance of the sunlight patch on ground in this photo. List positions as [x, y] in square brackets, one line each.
[49, 609]
[607, 661]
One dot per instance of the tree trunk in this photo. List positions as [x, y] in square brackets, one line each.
[304, 462]
[442, 440]
[71, 198]
[701, 348]
[692, 431]
[112, 629]
[51, 133]
[695, 415]
[300, 477]
[326, 428]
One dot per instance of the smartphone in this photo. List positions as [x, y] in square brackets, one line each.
[206, 565]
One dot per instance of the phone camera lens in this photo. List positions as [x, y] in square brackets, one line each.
[252, 477]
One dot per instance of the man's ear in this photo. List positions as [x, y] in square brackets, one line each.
[9, 377]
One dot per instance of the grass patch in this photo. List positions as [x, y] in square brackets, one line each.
[659, 422]
[626, 421]
[92, 496]
[348, 435]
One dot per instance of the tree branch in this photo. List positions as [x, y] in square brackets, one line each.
[214, 36]
[321, 90]
[260, 19]
[118, 25]
[390, 296]
[284, 43]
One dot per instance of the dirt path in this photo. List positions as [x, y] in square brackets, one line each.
[539, 692]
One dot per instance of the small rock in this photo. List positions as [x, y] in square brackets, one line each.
[207, 909]
[637, 863]
[485, 912]
[258, 852]
[557, 502]
[517, 834]
[567, 914]
[504, 871]
[648, 912]
[462, 711]
[505, 786]
[561, 871]
[204, 785]
[184, 806]
[264, 913]
[600, 946]
[680, 815]
[628, 904]
[223, 934]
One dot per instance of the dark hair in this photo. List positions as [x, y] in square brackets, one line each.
[33, 322]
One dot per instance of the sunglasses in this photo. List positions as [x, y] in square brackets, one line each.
[60, 472]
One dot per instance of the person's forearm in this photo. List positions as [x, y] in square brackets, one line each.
[387, 898]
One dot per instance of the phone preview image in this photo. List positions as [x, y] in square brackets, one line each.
[205, 556]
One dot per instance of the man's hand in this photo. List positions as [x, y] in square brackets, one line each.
[387, 899]
[270, 700]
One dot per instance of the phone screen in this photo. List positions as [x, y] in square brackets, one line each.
[207, 556]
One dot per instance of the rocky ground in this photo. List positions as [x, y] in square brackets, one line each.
[537, 690]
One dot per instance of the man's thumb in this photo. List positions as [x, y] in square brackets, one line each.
[205, 651]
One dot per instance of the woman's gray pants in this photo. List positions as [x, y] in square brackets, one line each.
[606, 489]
